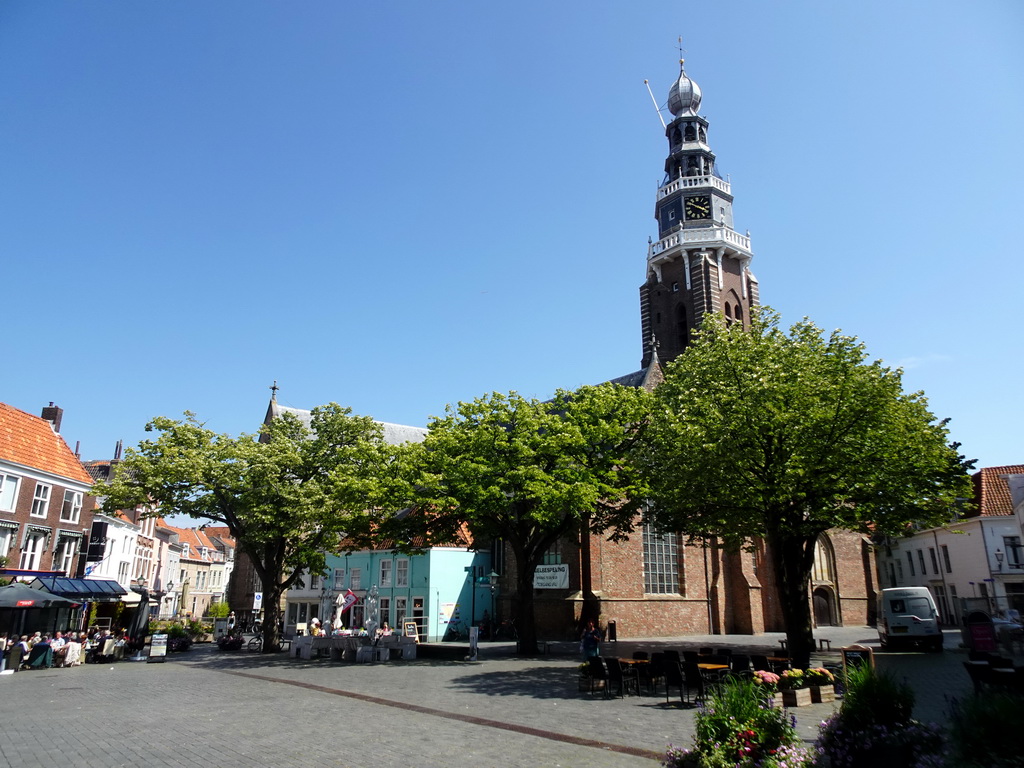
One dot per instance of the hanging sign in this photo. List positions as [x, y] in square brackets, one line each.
[555, 576]
[257, 601]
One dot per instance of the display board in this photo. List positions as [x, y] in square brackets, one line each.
[158, 648]
[857, 656]
[412, 631]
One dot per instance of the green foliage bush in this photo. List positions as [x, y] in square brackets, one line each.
[736, 729]
[984, 731]
[875, 726]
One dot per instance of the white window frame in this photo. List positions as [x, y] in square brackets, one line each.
[74, 498]
[66, 552]
[385, 574]
[339, 578]
[356, 578]
[314, 580]
[6, 537]
[402, 573]
[41, 500]
[32, 551]
[123, 569]
[9, 485]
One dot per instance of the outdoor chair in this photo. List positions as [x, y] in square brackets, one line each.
[691, 656]
[621, 675]
[674, 679]
[597, 672]
[760, 662]
[14, 657]
[651, 673]
[40, 657]
[696, 680]
[672, 655]
[723, 652]
[739, 665]
[706, 651]
[640, 655]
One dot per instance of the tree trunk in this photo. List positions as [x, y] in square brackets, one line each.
[272, 616]
[526, 624]
[792, 558]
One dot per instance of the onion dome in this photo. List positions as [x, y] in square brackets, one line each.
[684, 95]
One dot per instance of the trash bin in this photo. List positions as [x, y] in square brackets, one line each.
[612, 632]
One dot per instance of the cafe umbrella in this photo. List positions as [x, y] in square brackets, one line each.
[138, 628]
[22, 607]
[19, 595]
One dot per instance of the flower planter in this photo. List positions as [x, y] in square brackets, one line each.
[800, 697]
[775, 700]
[822, 694]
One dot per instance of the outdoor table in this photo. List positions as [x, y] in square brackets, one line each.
[712, 667]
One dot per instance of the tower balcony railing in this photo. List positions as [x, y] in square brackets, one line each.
[702, 236]
[687, 182]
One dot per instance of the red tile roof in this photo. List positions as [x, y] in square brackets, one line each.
[30, 441]
[992, 492]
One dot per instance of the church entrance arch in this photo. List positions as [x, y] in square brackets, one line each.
[824, 607]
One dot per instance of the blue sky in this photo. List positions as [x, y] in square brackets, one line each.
[397, 206]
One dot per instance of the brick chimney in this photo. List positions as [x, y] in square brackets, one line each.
[53, 414]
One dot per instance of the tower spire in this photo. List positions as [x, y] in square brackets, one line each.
[273, 391]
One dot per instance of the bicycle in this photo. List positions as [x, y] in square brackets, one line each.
[256, 644]
[507, 630]
[456, 631]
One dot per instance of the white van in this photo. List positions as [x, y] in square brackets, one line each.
[907, 616]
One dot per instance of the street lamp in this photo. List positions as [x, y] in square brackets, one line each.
[999, 559]
[493, 577]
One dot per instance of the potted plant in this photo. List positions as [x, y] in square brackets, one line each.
[795, 692]
[768, 684]
[821, 684]
[734, 728]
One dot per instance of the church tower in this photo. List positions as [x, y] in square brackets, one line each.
[699, 263]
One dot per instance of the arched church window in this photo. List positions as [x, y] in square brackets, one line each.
[738, 314]
[676, 136]
[703, 135]
[824, 569]
[728, 310]
[690, 133]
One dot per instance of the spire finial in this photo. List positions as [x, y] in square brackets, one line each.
[273, 390]
[681, 52]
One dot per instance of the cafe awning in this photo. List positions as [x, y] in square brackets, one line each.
[85, 590]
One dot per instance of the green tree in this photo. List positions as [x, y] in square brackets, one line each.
[757, 433]
[528, 473]
[285, 495]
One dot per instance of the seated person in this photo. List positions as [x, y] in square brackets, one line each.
[59, 646]
[384, 631]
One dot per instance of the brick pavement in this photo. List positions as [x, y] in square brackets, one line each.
[218, 709]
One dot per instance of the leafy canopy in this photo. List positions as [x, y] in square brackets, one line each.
[285, 495]
[758, 431]
[528, 471]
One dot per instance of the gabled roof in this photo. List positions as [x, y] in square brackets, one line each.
[196, 539]
[394, 434]
[30, 441]
[992, 492]
[646, 378]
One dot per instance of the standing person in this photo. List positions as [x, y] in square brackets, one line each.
[3, 651]
[231, 623]
[590, 641]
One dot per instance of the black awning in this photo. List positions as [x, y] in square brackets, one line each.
[86, 590]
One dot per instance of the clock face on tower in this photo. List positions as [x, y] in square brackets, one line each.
[698, 207]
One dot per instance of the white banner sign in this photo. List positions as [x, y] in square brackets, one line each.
[551, 576]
